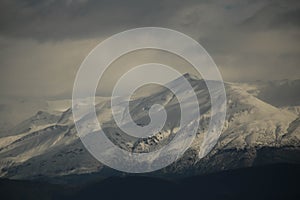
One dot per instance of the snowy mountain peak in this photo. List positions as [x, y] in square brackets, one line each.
[47, 145]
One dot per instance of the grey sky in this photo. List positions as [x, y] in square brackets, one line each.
[42, 43]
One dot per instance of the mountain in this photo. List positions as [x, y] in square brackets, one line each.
[15, 110]
[255, 133]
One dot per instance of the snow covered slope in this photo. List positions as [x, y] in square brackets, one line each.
[47, 145]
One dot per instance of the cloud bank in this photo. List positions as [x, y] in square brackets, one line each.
[42, 43]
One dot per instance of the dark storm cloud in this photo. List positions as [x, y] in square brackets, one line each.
[275, 15]
[60, 19]
[78, 18]
[43, 42]
[261, 44]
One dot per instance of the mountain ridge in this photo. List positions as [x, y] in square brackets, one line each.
[251, 125]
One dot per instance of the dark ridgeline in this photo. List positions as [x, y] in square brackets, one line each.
[280, 181]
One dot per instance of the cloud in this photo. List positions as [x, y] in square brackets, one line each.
[58, 19]
[43, 42]
[248, 40]
[30, 68]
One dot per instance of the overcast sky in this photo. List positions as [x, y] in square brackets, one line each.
[42, 43]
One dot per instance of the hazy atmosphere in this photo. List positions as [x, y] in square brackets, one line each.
[42, 44]
[99, 99]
